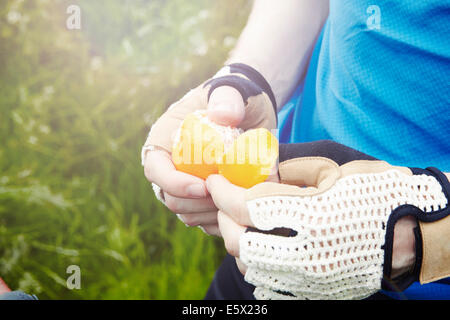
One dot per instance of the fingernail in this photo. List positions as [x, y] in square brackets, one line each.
[196, 190]
[208, 181]
[227, 114]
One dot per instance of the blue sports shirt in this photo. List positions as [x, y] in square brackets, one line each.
[379, 82]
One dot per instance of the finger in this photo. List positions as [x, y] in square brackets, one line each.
[241, 266]
[160, 170]
[211, 230]
[229, 199]
[226, 106]
[274, 177]
[231, 232]
[186, 206]
[196, 219]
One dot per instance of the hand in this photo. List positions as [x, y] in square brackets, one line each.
[245, 105]
[184, 194]
[339, 222]
[233, 216]
[234, 219]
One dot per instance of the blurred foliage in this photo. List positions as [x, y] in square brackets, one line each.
[75, 109]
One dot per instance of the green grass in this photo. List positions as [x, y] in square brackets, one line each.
[75, 108]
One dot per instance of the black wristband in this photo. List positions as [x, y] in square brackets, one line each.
[256, 83]
[322, 148]
[256, 77]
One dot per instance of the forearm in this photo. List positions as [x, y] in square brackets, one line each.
[278, 41]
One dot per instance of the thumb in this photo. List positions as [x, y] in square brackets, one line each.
[226, 106]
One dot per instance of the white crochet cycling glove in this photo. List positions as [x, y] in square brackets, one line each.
[341, 207]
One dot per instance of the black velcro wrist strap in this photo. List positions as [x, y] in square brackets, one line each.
[256, 77]
[256, 83]
[322, 148]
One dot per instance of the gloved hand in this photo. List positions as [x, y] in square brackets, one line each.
[236, 96]
[327, 230]
[260, 104]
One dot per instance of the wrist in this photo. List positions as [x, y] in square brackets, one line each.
[404, 246]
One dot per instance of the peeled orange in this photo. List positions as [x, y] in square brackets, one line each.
[203, 148]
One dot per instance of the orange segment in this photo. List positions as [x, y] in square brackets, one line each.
[198, 148]
[251, 158]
